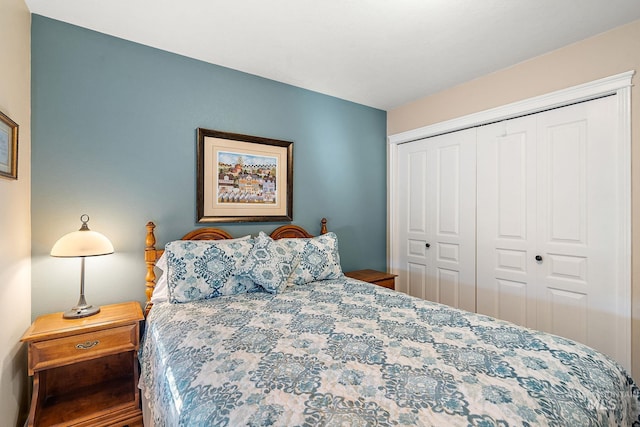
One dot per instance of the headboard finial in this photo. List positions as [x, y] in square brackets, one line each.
[151, 238]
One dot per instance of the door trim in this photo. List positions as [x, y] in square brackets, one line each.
[619, 85]
[584, 92]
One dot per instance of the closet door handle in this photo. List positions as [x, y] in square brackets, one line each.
[538, 258]
[427, 245]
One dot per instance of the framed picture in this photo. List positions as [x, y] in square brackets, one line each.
[8, 147]
[243, 178]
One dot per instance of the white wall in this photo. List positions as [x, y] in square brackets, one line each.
[15, 213]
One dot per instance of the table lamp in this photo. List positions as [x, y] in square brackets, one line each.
[82, 243]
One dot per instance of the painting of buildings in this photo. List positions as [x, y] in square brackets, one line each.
[246, 178]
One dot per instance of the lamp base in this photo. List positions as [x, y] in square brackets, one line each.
[81, 311]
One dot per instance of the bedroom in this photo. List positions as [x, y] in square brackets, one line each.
[53, 286]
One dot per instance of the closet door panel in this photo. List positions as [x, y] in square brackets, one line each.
[448, 287]
[506, 154]
[565, 313]
[452, 170]
[578, 204]
[437, 231]
[446, 165]
[416, 280]
[512, 302]
[412, 278]
[416, 193]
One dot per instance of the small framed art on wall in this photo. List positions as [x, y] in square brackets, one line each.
[8, 147]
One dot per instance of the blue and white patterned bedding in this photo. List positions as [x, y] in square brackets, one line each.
[345, 352]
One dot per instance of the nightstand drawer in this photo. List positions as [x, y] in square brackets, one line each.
[63, 351]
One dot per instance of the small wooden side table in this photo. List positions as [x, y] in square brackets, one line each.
[85, 371]
[379, 278]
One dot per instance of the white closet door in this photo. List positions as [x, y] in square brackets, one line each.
[547, 188]
[578, 229]
[437, 219]
[506, 211]
[414, 232]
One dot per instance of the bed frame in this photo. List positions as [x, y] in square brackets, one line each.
[151, 254]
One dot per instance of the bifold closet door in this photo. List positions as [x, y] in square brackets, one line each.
[506, 220]
[437, 219]
[548, 232]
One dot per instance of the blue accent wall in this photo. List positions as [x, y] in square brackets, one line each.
[114, 136]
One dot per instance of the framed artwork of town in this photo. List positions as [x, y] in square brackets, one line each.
[243, 178]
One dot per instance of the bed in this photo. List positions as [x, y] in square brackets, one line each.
[338, 351]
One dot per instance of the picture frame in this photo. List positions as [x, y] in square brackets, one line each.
[243, 178]
[8, 147]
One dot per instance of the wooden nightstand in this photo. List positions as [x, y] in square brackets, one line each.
[376, 277]
[85, 371]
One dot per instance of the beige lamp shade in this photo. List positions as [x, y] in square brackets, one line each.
[82, 243]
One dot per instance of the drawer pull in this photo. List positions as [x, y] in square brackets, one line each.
[87, 345]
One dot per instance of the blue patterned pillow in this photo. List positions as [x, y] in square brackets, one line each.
[201, 269]
[317, 259]
[268, 263]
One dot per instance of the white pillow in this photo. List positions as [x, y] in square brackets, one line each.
[160, 291]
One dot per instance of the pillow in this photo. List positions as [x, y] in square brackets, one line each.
[268, 263]
[160, 292]
[317, 259]
[201, 269]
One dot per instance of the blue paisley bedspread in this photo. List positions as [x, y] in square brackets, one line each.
[344, 352]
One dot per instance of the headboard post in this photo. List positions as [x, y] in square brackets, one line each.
[323, 226]
[150, 258]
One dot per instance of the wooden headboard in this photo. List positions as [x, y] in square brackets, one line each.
[151, 254]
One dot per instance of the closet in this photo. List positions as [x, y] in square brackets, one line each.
[521, 220]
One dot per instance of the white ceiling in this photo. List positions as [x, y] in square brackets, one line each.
[380, 53]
